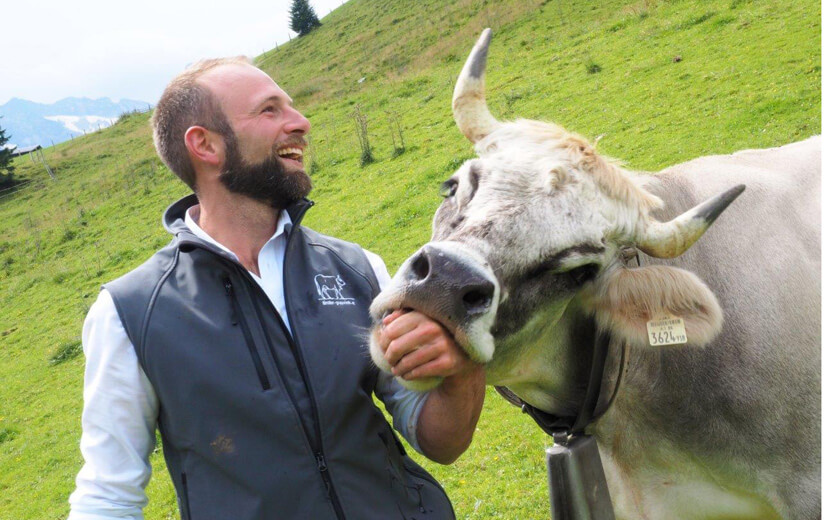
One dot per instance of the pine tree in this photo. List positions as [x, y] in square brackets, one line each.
[6, 168]
[302, 18]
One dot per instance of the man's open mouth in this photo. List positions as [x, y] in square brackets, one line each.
[293, 153]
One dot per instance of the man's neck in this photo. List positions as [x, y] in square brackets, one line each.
[239, 223]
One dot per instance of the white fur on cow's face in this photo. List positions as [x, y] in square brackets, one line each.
[547, 217]
[528, 197]
[525, 213]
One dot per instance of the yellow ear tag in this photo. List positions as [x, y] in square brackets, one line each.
[666, 330]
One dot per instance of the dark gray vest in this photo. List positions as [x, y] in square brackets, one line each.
[257, 423]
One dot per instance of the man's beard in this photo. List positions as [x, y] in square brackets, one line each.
[267, 181]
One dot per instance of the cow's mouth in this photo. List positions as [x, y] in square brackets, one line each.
[463, 334]
[474, 338]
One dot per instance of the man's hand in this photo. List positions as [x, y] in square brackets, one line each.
[415, 346]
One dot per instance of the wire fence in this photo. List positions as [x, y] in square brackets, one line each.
[23, 186]
[16, 187]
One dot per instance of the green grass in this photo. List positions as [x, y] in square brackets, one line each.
[674, 81]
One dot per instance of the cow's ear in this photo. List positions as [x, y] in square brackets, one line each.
[625, 300]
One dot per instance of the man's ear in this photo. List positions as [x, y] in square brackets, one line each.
[204, 146]
[627, 299]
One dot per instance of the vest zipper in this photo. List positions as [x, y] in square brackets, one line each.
[237, 317]
[186, 496]
[294, 345]
[323, 468]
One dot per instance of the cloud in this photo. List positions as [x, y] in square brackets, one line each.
[94, 48]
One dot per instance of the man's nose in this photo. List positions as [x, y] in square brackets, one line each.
[296, 122]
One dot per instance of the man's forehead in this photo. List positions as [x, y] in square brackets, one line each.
[238, 85]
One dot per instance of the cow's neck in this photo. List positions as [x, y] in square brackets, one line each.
[551, 373]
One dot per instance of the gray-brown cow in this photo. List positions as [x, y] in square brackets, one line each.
[529, 256]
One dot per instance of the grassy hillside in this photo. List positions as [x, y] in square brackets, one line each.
[662, 82]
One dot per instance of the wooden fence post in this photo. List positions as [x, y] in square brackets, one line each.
[48, 169]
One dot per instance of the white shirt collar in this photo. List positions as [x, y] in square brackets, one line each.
[193, 215]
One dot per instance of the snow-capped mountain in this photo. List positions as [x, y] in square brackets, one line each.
[29, 123]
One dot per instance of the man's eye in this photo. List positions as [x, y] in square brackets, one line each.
[448, 189]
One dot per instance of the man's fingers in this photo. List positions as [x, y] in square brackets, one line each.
[416, 358]
[418, 327]
[441, 366]
[396, 327]
[400, 347]
[416, 346]
[389, 318]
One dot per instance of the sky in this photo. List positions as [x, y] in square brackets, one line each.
[95, 48]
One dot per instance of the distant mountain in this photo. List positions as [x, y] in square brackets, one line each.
[29, 123]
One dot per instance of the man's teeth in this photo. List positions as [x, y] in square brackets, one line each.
[290, 151]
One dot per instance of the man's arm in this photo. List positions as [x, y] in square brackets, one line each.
[417, 346]
[119, 417]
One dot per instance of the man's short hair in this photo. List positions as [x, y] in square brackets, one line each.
[186, 103]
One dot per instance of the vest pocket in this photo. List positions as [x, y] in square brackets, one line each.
[417, 493]
[238, 317]
[432, 497]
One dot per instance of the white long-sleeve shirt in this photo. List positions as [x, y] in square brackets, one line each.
[121, 408]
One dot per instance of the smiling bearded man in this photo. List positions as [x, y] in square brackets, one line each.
[269, 180]
[242, 340]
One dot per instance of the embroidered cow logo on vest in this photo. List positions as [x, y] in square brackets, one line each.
[330, 290]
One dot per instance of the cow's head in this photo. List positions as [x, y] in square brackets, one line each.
[529, 249]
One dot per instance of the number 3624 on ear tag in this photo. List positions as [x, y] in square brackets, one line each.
[666, 330]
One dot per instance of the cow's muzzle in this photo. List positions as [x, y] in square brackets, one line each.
[446, 286]
[451, 284]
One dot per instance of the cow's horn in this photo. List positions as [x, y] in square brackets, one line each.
[468, 100]
[673, 238]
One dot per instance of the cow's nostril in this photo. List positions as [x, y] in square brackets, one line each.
[420, 267]
[478, 299]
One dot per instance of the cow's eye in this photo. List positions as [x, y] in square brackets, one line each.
[448, 188]
[584, 273]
